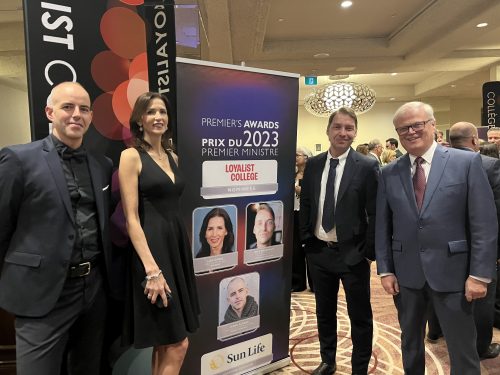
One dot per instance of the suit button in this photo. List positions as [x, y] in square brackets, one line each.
[71, 237]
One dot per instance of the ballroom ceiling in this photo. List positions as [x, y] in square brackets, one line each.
[411, 49]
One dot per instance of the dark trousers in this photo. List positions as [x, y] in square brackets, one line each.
[483, 312]
[455, 315]
[75, 328]
[497, 301]
[300, 268]
[327, 270]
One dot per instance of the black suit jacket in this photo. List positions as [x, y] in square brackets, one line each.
[355, 207]
[37, 227]
[492, 168]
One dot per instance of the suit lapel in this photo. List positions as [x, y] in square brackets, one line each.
[320, 165]
[439, 160]
[404, 171]
[97, 184]
[54, 163]
[350, 167]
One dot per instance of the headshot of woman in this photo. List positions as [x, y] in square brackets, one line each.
[216, 233]
[162, 301]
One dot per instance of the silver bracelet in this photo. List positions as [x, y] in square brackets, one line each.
[153, 277]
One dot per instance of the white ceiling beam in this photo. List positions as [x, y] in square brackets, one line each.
[439, 80]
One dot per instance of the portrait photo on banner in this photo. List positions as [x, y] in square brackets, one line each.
[264, 232]
[214, 238]
[238, 305]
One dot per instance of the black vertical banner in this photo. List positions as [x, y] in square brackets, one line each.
[161, 51]
[491, 104]
[117, 49]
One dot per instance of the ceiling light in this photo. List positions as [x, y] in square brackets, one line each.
[482, 24]
[453, 86]
[337, 77]
[394, 74]
[321, 55]
[326, 99]
[346, 4]
[281, 19]
[391, 99]
[345, 68]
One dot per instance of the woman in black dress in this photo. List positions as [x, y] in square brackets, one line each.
[163, 296]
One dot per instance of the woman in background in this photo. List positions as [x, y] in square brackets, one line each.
[388, 156]
[163, 290]
[299, 265]
[216, 233]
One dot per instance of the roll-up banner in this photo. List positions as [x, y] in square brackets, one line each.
[116, 49]
[491, 104]
[237, 137]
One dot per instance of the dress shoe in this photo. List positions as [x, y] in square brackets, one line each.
[325, 369]
[433, 337]
[492, 352]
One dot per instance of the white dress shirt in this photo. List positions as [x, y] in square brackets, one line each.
[339, 171]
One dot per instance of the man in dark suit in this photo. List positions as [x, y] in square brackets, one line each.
[54, 243]
[392, 144]
[436, 239]
[337, 212]
[375, 149]
[464, 136]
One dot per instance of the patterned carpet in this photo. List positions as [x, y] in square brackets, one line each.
[386, 358]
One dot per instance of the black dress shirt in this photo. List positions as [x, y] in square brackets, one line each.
[76, 172]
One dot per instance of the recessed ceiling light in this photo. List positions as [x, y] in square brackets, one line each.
[394, 74]
[281, 19]
[453, 86]
[345, 69]
[321, 55]
[482, 24]
[346, 4]
[392, 99]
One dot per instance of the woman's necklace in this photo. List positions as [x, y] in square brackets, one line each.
[160, 156]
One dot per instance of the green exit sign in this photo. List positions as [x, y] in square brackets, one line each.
[311, 80]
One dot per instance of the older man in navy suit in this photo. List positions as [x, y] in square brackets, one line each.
[54, 243]
[436, 239]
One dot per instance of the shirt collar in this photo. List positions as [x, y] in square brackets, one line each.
[427, 156]
[341, 158]
[61, 147]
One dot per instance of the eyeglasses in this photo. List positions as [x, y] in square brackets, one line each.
[297, 155]
[417, 126]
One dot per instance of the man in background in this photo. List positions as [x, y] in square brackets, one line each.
[464, 136]
[436, 239]
[494, 136]
[375, 149]
[392, 144]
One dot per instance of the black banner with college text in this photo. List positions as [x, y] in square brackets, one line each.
[491, 104]
[116, 49]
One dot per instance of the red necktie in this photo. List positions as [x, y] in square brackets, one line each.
[419, 182]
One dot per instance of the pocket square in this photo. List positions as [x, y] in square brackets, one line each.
[105, 188]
